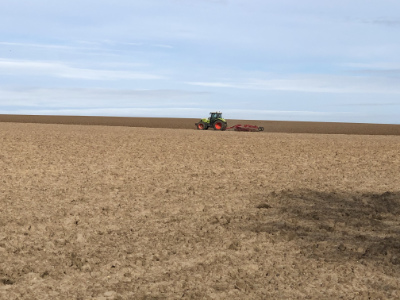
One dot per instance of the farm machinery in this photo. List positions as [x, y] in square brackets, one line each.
[217, 122]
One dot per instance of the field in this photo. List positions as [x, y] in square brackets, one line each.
[270, 126]
[114, 212]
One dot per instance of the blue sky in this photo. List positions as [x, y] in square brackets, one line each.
[264, 60]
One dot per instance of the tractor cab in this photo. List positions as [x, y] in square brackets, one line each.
[215, 116]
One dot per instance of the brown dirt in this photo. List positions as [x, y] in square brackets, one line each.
[185, 123]
[100, 212]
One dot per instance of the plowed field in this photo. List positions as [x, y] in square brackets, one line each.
[182, 123]
[101, 212]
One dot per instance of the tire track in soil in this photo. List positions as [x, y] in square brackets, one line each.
[338, 228]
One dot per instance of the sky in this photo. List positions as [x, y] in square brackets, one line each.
[309, 60]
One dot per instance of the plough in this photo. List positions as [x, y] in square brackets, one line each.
[246, 127]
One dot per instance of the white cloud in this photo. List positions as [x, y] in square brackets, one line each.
[384, 22]
[218, 84]
[161, 103]
[113, 112]
[30, 45]
[163, 46]
[94, 97]
[377, 65]
[312, 84]
[59, 69]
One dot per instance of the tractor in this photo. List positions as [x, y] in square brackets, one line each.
[214, 121]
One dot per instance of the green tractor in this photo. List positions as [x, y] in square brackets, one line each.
[215, 121]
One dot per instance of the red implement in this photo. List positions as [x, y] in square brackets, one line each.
[246, 127]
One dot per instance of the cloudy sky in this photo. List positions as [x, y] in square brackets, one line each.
[308, 60]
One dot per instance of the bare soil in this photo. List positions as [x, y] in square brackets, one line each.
[186, 123]
[101, 212]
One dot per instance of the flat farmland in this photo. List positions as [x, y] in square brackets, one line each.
[186, 123]
[114, 212]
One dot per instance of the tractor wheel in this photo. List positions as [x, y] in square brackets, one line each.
[219, 125]
[201, 126]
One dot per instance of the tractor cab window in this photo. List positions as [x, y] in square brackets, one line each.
[215, 116]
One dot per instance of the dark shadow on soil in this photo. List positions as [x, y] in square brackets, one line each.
[334, 226]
